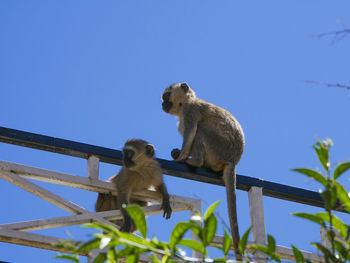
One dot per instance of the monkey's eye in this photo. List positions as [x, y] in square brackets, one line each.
[166, 96]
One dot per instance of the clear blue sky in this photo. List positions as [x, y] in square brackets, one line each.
[94, 72]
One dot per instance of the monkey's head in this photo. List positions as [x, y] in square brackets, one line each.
[136, 152]
[175, 96]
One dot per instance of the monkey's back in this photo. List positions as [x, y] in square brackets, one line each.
[220, 130]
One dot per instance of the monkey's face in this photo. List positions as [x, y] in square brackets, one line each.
[167, 104]
[128, 155]
[136, 152]
[175, 96]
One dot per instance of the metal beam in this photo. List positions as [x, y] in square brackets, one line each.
[33, 240]
[112, 156]
[85, 218]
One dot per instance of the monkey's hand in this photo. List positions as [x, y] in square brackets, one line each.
[166, 209]
[175, 153]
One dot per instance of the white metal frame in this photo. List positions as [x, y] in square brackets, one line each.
[15, 233]
[18, 174]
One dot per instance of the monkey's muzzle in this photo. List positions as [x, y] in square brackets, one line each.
[167, 105]
[127, 158]
[128, 163]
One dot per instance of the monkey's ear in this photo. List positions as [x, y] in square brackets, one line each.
[150, 150]
[185, 87]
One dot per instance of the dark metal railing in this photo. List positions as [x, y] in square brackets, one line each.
[107, 155]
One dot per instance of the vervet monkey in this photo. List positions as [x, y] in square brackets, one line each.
[212, 138]
[140, 171]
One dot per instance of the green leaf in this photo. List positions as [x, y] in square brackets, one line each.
[132, 259]
[329, 195]
[261, 248]
[111, 256]
[310, 217]
[137, 215]
[68, 245]
[100, 258]
[125, 252]
[272, 255]
[108, 229]
[336, 222]
[178, 232]
[90, 245]
[227, 243]
[343, 196]
[69, 257]
[271, 243]
[322, 151]
[155, 259]
[165, 259]
[220, 260]
[340, 169]
[209, 229]
[196, 228]
[244, 240]
[192, 244]
[312, 174]
[326, 252]
[340, 247]
[211, 209]
[334, 196]
[299, 258]
[275, 257]
[165, 247]
[135, 241]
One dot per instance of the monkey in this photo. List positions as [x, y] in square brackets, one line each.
[140, 171]
[212, 138]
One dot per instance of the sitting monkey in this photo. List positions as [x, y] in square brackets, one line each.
[140, 171]
[212, 138]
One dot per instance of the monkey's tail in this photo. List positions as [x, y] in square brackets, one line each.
[229, 176]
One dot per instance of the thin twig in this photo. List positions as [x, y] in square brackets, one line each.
[335, 85]
[338, 34]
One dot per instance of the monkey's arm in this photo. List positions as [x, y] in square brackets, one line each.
[165, 200]
[124, 189]
[123, 202]
[190, 119]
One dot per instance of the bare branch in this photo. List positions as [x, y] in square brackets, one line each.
[337, 34]
[336, 85]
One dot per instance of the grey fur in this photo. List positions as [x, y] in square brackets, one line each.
[212, 138]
